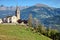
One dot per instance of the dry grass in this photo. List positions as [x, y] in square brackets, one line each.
[5, 37]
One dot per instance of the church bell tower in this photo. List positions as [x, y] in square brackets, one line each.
[17, 13]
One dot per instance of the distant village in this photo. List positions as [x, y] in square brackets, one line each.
[14, 19]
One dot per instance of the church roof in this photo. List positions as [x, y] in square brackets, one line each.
[9, 16]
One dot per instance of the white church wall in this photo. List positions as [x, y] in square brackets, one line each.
[8, 20]
[14, 19]
[4, 20]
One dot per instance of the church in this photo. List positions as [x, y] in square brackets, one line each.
[14, 18]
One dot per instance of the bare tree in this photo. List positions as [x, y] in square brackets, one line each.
[36, 24]
[30, 20]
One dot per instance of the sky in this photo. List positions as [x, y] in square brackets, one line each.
[51, 3]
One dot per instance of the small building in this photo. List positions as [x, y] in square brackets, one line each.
[22, 23]
[0, 20]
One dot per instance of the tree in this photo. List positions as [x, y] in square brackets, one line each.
[58, 36]
[39, 27]
[36, 24]
[25, 21]
[30, 20]
[42, 29]
[53, 34]
[48, 32]
[19, 21]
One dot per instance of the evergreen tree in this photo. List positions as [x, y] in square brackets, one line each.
[49, 31]
[53, 34]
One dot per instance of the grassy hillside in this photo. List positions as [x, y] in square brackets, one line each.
[16, 32]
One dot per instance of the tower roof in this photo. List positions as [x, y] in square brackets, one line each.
[17, 8]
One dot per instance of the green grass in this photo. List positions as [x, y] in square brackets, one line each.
[17, 32]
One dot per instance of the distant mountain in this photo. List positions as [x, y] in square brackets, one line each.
[41, 12]
[2, 7]
[53, 22]
[41, 5]
[48, 16]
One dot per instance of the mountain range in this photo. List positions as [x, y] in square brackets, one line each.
[48, 16]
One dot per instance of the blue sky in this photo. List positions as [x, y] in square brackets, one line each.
[52, 3]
